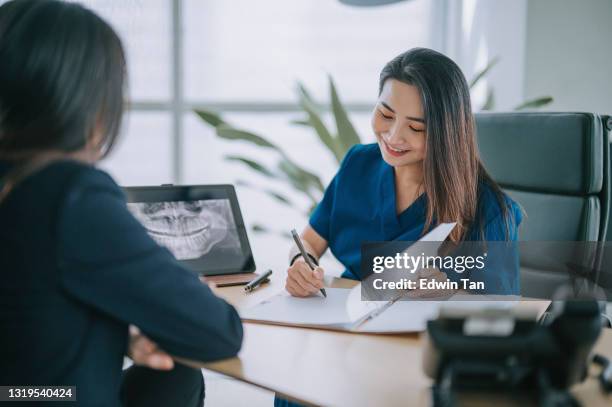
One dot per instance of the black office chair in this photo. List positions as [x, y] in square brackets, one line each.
[606, 263]
[608, 125]
[556, 166]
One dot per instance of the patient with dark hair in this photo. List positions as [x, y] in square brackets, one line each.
[83, 284]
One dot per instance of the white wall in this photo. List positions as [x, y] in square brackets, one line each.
[569, 54]
[481, 30]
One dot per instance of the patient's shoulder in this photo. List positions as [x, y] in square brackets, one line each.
[78, 178]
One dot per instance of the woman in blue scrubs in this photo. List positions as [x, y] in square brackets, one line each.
[424, 169]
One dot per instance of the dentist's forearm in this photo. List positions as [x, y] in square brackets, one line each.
[314, 244]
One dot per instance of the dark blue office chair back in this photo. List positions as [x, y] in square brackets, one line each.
[556, 166]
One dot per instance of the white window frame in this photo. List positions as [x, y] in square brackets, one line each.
[177, 106]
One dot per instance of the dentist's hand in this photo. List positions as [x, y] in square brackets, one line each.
[302, 281]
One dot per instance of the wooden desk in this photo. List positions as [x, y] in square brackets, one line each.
[343, 369]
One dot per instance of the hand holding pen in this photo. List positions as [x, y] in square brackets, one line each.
[304, 277]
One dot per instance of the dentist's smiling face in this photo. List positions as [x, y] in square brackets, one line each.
[399, 124]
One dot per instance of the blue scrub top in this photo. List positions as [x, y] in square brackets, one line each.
[359, 206]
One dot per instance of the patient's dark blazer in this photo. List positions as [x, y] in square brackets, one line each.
[75, 270]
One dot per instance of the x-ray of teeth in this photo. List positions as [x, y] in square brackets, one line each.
[189, 229]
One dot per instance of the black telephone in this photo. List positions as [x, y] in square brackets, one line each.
[500, 351]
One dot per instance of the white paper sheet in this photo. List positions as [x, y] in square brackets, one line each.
[402, 316]
[412, 315]
[439, 233]
[356, 308]
[317, 310]
[342, 309]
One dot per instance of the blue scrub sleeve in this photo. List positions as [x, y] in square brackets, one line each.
[320, 219]
[501, 274]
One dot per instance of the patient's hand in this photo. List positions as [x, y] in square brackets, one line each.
[302, 281]
[144, 352]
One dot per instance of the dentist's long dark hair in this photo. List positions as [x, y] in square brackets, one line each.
[453, 171]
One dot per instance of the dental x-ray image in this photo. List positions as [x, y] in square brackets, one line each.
[190, 229]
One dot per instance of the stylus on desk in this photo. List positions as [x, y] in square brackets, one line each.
[258, 281]
[305, 255]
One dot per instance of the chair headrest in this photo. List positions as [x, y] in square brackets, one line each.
[558, 153]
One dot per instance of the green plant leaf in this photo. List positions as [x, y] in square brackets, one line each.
[313, 179]
[300, 122]
[304, 94]
[315, 121]
[295, 177]
[347, 136]
[489, 103]
[483, 72]
[535, 103]
[244, 183]
[210, 117]
[254, 165]
[231, 133]
[302, 180]
[278, 197]
[257, 228]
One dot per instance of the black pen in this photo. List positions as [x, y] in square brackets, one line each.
[257, 282]
[305, 255]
